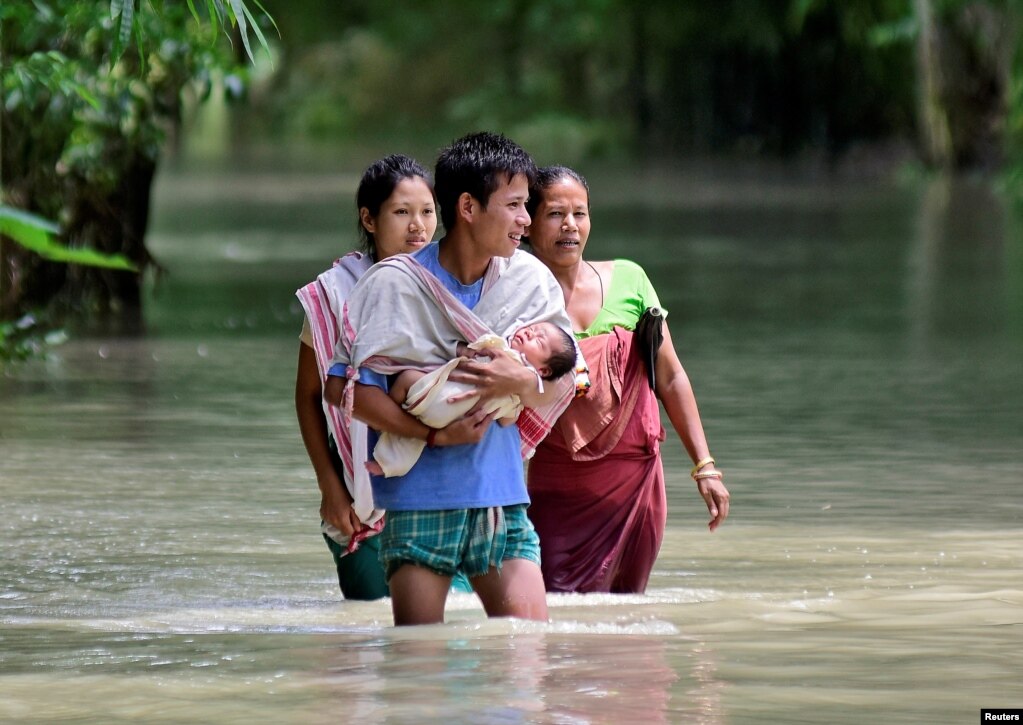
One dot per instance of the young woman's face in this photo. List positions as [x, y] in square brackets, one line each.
[407, 219]
[561, 224]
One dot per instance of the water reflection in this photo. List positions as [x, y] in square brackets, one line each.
[855, 351]
[960, 284]
[501, 677]
[530, 677]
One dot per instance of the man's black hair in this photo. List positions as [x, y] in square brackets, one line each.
[477, 164]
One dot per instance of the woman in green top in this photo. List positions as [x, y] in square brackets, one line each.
[596, 483]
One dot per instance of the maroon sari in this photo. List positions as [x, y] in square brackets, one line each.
[596, 482]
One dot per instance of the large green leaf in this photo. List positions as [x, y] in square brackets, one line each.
[220, 16]
[38, 235]
[123, 12]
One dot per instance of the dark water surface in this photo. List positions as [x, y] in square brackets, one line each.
[856, 352]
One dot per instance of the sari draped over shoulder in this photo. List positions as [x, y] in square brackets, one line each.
[323, 300]
[425, 321]
[597, 483]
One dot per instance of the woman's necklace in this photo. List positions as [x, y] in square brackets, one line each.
[601, 283]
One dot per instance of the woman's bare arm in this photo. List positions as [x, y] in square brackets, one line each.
[335, 503]
[676, 394]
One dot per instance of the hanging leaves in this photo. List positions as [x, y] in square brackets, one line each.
[39, 235]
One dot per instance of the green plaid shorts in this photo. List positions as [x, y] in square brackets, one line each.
[470, 540]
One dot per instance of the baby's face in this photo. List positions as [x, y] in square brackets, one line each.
[535, 343]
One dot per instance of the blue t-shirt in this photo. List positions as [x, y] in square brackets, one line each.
[488, 473]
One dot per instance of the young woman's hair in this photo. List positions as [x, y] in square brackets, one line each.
[546, 177]
[477, 164]
[562, 360]
[378, 183]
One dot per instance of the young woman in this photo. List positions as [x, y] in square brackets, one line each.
[596, 482]
[397, 214]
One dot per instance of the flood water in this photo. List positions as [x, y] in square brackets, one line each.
[855, 349]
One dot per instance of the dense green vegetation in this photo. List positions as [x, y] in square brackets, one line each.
[576, 78]
[94, 92]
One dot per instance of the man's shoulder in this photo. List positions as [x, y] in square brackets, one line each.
[521, 256]
[521, 260]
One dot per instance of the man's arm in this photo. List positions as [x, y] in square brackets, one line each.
[373, 406]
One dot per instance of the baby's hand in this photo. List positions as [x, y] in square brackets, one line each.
[467, 352]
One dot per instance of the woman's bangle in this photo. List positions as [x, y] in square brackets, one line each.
[707, 474]
[700, 464]
[431, 438]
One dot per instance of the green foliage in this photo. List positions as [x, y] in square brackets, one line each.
[92, 90]
[663, 76]
[1014, 123]
[27, 337]
[79, 104]
[39, 235]
[895, 32]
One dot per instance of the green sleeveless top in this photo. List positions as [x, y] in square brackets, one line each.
[630, 293]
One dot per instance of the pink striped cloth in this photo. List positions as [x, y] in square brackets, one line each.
[323, 300]
[424, 322]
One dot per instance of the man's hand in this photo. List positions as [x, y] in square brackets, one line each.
[495, 379]
[470, 428]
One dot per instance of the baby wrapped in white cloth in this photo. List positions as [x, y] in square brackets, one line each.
[436, 401]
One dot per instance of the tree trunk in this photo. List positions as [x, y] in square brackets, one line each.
[114, 224]
[639, 80]
[932, 119]
[963, 68]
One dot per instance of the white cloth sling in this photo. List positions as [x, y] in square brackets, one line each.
[424, 322]
[428, 399]
[323, 300]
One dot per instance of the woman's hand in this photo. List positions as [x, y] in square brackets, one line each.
[336, 509]
[335, 504]
[716, 496]
[334, 390]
